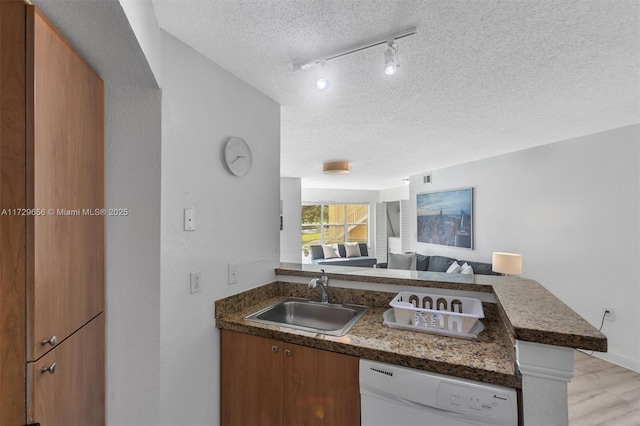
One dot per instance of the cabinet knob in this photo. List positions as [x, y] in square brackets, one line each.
[287, 352]
[52, 341]
[274, 348]
[51, 369]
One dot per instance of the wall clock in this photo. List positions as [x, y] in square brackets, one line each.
[237, 156]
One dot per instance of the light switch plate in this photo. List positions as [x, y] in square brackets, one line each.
[189, 220]
[233, 273]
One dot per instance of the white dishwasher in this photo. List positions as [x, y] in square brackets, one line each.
[392, 395]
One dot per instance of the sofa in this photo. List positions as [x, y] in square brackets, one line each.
[420, 262]
[355, 257]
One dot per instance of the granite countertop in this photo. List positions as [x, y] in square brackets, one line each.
[530, 311]
[490, 358]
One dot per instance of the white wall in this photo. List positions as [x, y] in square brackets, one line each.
[339, 195]
[132, 254]
[237, 219]
[290, 237]
[394, 194]
[572, 210]
[393, 219]
[144, 24]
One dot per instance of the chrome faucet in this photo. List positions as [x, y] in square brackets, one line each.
[323, 284]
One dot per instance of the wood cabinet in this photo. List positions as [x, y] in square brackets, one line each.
[250, 380]
[320, 387]
[269, 382]
[76, 382]
[51, 227]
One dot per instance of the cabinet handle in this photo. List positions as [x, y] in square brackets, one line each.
[51, 369]
[274, 348]
[287, 352]
[52, 341]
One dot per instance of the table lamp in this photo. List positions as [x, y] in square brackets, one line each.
[507, 263]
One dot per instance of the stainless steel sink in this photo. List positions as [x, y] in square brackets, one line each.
[302, 314]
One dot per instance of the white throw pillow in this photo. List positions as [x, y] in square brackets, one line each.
[466, 269]
[352, 249]
[402, 261]
[454, 268]
[330, 251]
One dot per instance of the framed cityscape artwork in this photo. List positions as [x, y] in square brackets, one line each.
[446, 218]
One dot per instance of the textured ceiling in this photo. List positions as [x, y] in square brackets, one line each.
[480, 78]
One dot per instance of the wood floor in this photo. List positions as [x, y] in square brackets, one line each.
[602, 393]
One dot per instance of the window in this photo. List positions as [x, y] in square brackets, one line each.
[334, 223]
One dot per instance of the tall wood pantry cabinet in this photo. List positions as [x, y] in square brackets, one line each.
[51, 235]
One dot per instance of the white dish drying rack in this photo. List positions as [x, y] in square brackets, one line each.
[435, 313]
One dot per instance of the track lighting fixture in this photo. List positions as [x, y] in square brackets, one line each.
[390, 55]
[391, 58]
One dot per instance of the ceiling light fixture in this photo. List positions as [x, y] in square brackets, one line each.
[406, 181]
[336, 168]
[391, 58]
[389, 40]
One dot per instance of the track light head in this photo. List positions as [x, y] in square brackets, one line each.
[390, 67]
[390, 59]
[322, 83]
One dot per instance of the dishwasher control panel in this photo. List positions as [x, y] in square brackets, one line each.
[481, 402]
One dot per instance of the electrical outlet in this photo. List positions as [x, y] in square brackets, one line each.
[233, 273]
[608, 314]
[195, 282]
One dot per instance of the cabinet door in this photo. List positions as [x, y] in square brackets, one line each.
[73, 393]
[250, 380]
[12, 227]
[65, 175]
[320, 387]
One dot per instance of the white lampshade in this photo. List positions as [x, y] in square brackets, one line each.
[507, 263]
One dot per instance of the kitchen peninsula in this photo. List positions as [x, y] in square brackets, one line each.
[532, 313]
[527, 343]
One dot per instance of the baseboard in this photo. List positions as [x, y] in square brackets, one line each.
[618, 359]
